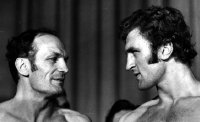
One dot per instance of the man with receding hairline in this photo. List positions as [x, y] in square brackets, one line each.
[160, 53]
[37, 61]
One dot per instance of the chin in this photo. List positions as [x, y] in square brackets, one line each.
[55, 92]
[59, 91]
[145, 87]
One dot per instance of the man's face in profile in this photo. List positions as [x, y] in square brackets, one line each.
[139, 53]
[49, 76]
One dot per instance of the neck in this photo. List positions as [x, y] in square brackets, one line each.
[29, 102]
[178, 82]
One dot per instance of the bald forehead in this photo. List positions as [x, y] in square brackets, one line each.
[48, 41]
[46, 38]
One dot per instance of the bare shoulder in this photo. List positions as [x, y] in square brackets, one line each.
[187, 109]
[73, 116]
[189, 103]
[6, 114]
[133, 116]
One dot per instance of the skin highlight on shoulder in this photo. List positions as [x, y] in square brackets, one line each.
[186, 109]
[133, 116]
[10, 117]
[73, 116]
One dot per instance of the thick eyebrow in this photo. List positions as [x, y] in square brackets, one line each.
[132, 49]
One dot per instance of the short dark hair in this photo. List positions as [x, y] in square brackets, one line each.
[21, 46]
[161, 26]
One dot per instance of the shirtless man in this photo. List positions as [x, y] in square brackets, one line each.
[160, 53]
[37, 64]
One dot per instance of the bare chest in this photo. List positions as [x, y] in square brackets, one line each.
[154, 114]
[190, 113]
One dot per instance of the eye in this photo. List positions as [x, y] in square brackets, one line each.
[133, 51]
[53, 59]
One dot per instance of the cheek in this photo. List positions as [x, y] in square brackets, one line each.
[143, 61]
[40, 74]
[45, 69]
[156, 72]
[150, 71]
[142, 64]
[36, 79]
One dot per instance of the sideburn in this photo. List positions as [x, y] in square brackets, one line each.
[33, 67]
[154, 57]
[32, 59]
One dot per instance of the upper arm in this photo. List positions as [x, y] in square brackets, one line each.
[134, 115]
[73, 116]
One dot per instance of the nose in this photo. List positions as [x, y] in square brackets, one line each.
[130, 63]
[62, 66]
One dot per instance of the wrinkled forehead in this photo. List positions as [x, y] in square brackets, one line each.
[48, 43]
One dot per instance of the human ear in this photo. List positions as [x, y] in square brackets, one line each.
[165, 51]
[22, 66]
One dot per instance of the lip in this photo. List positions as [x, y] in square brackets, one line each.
[59, 78]
[58, 81]
[137, 75]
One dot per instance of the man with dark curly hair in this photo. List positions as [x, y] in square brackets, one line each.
[37, 61]
[160, 53]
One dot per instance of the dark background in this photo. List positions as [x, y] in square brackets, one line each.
[88, 28]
